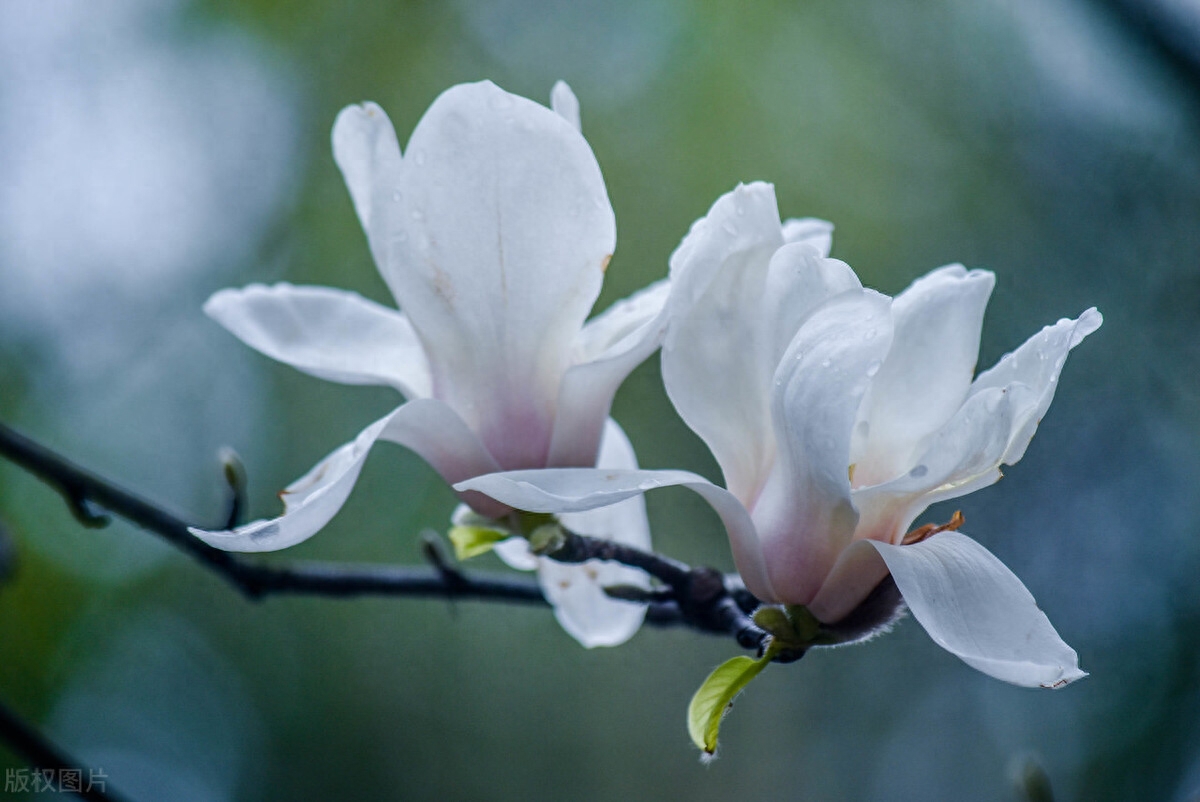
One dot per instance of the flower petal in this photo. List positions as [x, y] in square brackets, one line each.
[568, 490]
[927, 373]
[805, 516]
[497, 238]
[367, 153]
[610, 346]
[428, 427]
[718, 355]
[332, 334]
[810, 231]
[565, 104]
[577, 591]
[961, 457]
[1036, 364]
[975, 608]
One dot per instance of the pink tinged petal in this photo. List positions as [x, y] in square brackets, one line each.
[608, 348]
[1036, 365]
[568, 490]
[927, 373]
[717, 358]
[368, 154]
[858, 569]
[496, 245]
[576, 591]
[565, 104]
[815, 233]
[805, 516]
[975, 608]
[426, 426]
[328, 333]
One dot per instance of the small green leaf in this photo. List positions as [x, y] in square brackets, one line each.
[471, 541]
[715, 697]
[547, 539]
[775, 621]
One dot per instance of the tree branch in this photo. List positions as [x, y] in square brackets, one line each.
[42, 754]
[700, 598]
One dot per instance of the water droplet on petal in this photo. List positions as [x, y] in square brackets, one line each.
[863, 428]
[417, 214]
[730, 229]
[873, 368]
[420, 158]
[396, 196]
[826, 363]
[918, 471]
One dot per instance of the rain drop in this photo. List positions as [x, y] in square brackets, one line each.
[730, 229]
[420, 158]
[396, 196]
[918, 471]
[873, 368]
[826, 363]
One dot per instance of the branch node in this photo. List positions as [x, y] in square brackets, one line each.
[435, 554]
[84, 509]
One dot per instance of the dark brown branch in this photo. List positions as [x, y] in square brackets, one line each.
[42, 754]
[703, 598]
[700, 598]
[84, 490]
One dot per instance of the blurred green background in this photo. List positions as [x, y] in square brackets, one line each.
[154, 152]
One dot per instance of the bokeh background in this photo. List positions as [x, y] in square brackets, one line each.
[154, 152]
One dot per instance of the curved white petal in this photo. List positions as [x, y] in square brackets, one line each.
[798, 282]
[428, 427]
[961, 457]
[309, 503]
[811, 231]
[975, 608]
[608, 348]
[717, 357]
[576, 591]
[565, 104]
[1037, 365]
[568, 490]
[367, 152]
[332, 334]
[805, 516]
[496, 241]
[927, 373]
[514, 552]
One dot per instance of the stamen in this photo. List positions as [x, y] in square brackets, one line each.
[929, 530]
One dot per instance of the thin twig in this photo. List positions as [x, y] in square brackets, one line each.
[44, 755]
[254, 579]
[700, 598]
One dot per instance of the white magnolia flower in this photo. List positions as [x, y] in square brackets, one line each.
[493, 233]
[837, 416]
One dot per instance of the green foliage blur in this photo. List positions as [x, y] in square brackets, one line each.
[1046, 141]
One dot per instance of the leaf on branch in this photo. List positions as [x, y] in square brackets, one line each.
[715, 697]
[471, 541]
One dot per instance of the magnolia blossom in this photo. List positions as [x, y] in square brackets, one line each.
[493, 232]
[838, 415]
